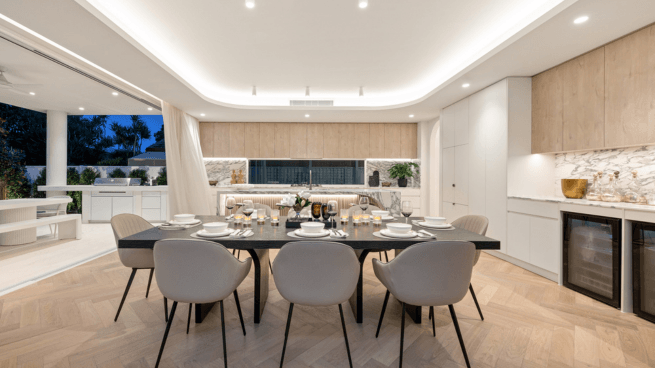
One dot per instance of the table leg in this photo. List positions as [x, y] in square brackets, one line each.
[262, 274]
[357, 299]
[202, 310]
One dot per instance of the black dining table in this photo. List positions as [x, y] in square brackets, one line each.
[267, 236]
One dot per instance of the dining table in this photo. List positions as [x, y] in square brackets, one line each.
[363, 238]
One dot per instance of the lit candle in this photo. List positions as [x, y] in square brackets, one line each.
[377, 220]
[344, 216]
[238, 218]
[247, 220]
[261, 216]
[366, 218]
[356, 216]
[275, 216]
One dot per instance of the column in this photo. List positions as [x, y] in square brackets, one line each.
[57, 150]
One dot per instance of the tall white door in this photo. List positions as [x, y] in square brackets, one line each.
[462, 175]
[448, 127]
[448, 172]
[461, 122]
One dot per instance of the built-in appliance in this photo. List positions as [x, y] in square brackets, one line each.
[118, 182]
[592, 256]
[643, 270]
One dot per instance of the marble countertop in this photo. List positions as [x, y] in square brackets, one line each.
[320, 190]
[10, 204]
[584, 202]
[109, 188]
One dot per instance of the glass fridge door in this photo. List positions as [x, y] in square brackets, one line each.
[643, 270]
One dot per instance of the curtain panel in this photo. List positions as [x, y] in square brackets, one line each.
[188, 186]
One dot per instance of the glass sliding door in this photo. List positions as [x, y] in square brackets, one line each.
[643, 270]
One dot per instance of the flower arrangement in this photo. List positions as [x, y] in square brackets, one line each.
[297, 202]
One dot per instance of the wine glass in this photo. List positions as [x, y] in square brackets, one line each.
[333, 207]
[248, 208]
[230, 203]
[363, 204]
[406, 209]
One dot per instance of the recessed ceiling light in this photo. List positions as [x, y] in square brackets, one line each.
[581, 19]
[250, 4]
[465, 85]
[202, 114]
[81, 109]
[306, 115]
[115, 93]
[411, 116]
[149, 108]
[363, 4]
[32, 93]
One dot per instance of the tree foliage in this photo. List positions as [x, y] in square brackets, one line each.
[130, 138]
[87, 141]
[117, 173]
[12, 167]
[25, 131]
[139, 174]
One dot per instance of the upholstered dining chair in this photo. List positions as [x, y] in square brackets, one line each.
[428, 274]
[370, 208]
[123, 226]
[50, 210]
[258, 206]
[316, 273]
[195, 272]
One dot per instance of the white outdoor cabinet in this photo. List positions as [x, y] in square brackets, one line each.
[101, 208]
[120, 205]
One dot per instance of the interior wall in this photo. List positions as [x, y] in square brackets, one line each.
[429, 151]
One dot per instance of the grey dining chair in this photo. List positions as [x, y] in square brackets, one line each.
[316, 274]
[51, 210]
[196, 272]
[428, 274]
[370, 208]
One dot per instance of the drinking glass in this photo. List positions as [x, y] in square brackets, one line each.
[406, 209]
[316, 210]
[248, 208]
[230, 202]
[324, 212]
[275, 216]
[332, 209]
[363, 204]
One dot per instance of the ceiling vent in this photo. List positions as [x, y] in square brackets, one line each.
[320, 103]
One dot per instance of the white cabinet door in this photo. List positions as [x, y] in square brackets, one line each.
[518, 236]
[545, 243]
[151, 202]
[459, 210]
[100, 208]
[448, 127]
[462, 175]
[121, 205]
[448, 172]
[151, 214]
[461, 122]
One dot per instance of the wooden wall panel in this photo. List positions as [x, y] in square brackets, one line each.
[408, 141]
[237, 140]
[583, 102]
[266, 140]
[362, 141]
[630, 90]
[207, 139]
[221, 139]
[376, 141]
[547, 111]
[282, 140]
[298, 141]
[347, 140]
[315, 141]
[252, 140]
[392, 140]
[330, 141]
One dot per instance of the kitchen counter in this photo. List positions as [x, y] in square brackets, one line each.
[98, 188]
[584, 202]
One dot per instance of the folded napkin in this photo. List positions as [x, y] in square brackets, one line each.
[242, 234]
[338, 234]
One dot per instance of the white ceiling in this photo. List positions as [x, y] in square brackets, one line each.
[549, 41]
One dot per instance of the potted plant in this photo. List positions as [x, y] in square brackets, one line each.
[402, 171]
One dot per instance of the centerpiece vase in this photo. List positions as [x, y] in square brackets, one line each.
[297, 208]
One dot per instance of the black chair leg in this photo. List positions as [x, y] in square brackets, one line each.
[384, 308]
[402, 336]
[345, 335]
[380, 255]
[234, 251]
[434, 331]
[430, 313]
[127, 289]
[152, 271]
[168, 328]
[224, 342]
[286, 334]
[459, 335]
[270, 266]
[239, 254]
[165, 309]
[476, 301]
[236, 299]
[386, 256]
[188, 321]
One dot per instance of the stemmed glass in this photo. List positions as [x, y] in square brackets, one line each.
[230, 203]
[332, 209]
[248, 208]
[363, 204]
[406, 209]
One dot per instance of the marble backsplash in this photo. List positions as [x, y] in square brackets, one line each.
[221, 169]
[583, 165]
[383, 166]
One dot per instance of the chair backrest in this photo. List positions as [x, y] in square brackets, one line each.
[473, 223]
[430, 273]
[356, 207]
[127, 224]
[197, 271]
[316, 273]
[258, 206]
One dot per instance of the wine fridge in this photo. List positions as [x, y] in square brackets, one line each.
[592, 256]
[643, 270]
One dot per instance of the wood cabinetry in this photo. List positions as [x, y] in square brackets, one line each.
[602, 99]
[309, 140]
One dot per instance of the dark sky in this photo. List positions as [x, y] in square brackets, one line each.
[154, 122]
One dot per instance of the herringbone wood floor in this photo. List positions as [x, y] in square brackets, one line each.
[67, 321]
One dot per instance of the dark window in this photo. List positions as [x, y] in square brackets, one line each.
[330, 172]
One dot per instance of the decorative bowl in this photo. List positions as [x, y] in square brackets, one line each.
[184, 217]
[386, 184]
[215, 227]
[380, 213]
[399, 228]
[435, 220]
[312, 227]
[574, 188]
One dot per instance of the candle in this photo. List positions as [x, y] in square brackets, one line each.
[247, 220]
[366, 218]
[261, 216]
[238, 218]
[344, 216]
[377, 220]
[356, 216]
[275, 216]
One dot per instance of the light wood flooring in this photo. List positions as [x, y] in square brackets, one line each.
[67, 321]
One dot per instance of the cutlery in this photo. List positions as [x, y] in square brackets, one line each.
[342, 233]
[237, 233]
[428, 234]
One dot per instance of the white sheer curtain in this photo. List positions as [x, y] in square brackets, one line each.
[188, 186]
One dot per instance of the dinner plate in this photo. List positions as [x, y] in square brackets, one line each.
[386, 232]
[205, 234]
[433, 226]
[388, 218]
[194, 221]
[320, 234]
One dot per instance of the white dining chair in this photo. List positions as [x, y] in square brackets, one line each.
[428, 274]
[316, 274]
[370, 208]
[51, 210]
[196, 272]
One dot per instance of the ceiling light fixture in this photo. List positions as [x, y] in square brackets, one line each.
[32, 93]
[361, 91]
[250, 4]
[149, 108]
[581, 19]
[254, 90]
[411, 116]
[363, 4]
[202, 114]
[465, 85]
[306, 115]
[115, 93]
[307, 91]
[81, 109]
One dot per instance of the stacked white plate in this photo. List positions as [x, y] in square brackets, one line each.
[391, 234]
[206, 234]
[304, 234]
[191, 222]
[435, 226]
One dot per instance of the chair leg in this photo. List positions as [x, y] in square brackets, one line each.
[476, 301]
[165, 309]
[127, 289]
[234, 252]
[168, 328]
[434, 331]
[402, 336]
[236, 299]
[384, 308]
[152, 271]
[386, 256]
[345, 335]
[270, 266]
[380, 255]
[188, 321]
[239, 254]
[286, 334]
[459, 334]
[224, 342]
[51, 231]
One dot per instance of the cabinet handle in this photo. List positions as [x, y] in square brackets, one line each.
[453, 204]
[453, 185]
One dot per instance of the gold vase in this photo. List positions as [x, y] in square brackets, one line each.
[574, 188]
